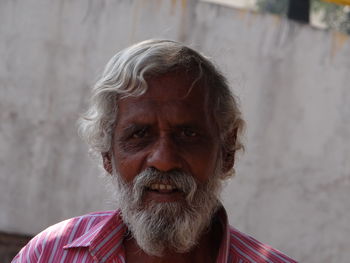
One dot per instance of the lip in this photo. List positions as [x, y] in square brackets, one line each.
[163, 197]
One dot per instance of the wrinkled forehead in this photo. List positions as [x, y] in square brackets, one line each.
[177, 85]
[175, 96]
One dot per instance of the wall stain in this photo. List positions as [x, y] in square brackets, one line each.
[334, 184]
[242, 14]
[252, 18]
[184, 21]
[158, 5]
[184, 4]
[135, 19]
[276, 20]
[338, 41]
[173, 7]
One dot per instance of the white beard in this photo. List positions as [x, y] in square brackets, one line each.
[174, 226]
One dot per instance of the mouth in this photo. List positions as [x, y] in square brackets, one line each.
[163, 192]
[162, 188]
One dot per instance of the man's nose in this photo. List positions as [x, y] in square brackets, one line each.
[164, 156]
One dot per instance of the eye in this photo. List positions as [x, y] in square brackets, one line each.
[188, 132]
[141, 133]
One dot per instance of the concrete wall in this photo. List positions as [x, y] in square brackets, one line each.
[293, 184]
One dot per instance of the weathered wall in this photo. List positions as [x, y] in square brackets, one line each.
[293, 183]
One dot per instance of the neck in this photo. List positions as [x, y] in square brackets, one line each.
[206, 250]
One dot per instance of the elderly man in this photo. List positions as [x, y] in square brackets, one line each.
[167, 127]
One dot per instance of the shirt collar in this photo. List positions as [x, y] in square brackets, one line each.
[106, 235]
[223, 254]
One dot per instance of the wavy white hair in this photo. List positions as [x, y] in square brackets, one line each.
[125, 75]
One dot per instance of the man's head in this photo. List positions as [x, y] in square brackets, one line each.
[167, 126]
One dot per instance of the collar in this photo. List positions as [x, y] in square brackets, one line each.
[107, 235]
[223, 254]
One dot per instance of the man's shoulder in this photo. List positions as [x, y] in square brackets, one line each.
[61, 234]
[94, 217]
[252, 250]
[74, 227]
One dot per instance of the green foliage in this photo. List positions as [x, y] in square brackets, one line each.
[333, 15]
[279, 7]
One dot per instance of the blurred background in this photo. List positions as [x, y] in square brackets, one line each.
[288, 62]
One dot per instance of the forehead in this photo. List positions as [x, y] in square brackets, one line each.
[176, 86]
[175, 92]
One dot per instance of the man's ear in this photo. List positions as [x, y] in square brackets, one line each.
[107, 162]
[229, 151]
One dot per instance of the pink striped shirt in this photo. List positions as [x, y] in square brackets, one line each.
[98, 237]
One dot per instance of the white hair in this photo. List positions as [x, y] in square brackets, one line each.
[125, 75]
[177, 226]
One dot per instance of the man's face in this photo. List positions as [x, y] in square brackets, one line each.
[166, 164]
[168, 128]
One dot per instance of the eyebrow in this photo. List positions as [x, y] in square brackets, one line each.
[133, 127]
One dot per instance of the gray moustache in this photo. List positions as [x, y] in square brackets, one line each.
[182, 181]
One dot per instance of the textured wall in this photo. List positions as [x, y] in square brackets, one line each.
[293, 183]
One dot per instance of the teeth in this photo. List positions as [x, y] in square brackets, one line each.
[155, 186]
[162, 187]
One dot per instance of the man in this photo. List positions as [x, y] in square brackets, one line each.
[167, 127]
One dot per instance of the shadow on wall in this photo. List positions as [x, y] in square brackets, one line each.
[10, 245]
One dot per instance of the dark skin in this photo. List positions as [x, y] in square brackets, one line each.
[170, 127]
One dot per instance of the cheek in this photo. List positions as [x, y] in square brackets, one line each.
[128, 166]
[204, 163]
